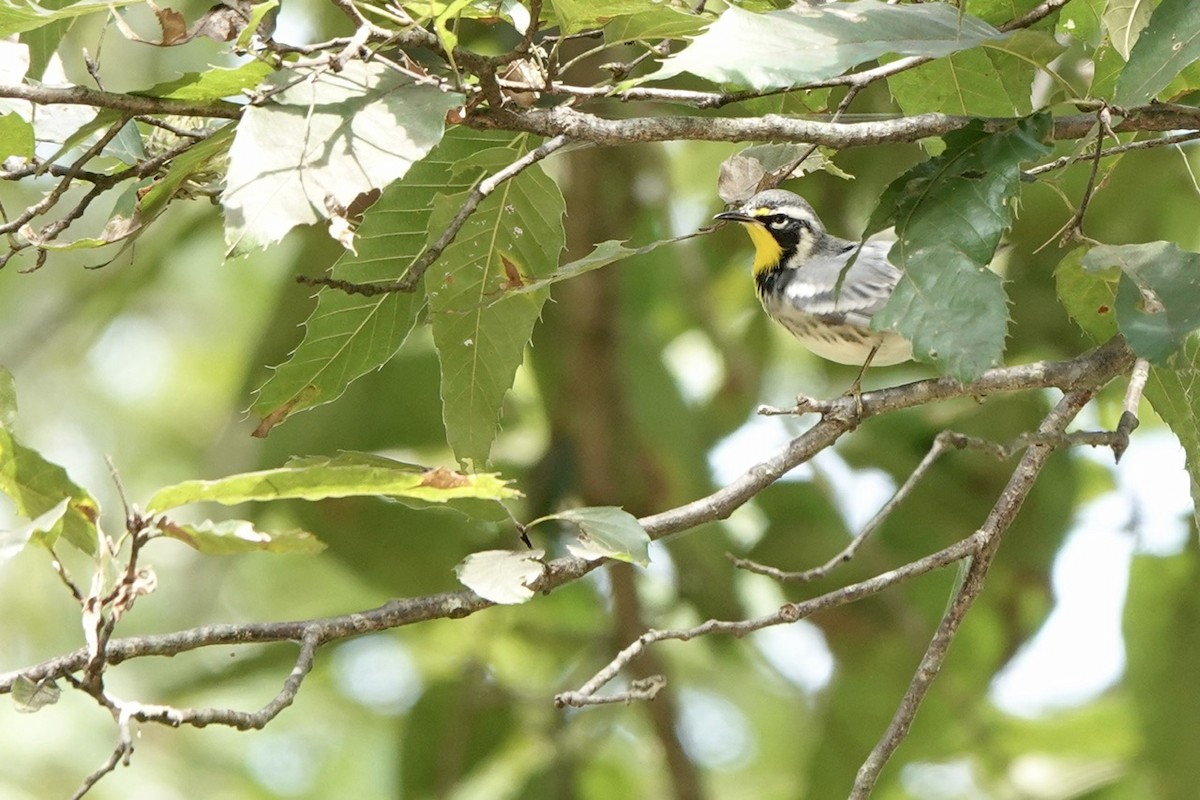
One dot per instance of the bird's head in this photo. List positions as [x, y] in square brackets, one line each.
[779, 222]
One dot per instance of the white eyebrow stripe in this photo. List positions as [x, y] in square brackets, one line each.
[791, 211]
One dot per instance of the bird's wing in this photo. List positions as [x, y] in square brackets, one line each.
[864, 289]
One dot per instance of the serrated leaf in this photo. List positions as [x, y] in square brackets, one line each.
[1171, 279]
[1124, 21]
[606, 532]
[28, 15]
[1174, 391]
[37, 487]
[30, 696]
[950, 213]
[759, 51]
[502, 576]
[513, 238]
[212, 84]
[322, 142]
[1088, 298]
[1168, 44]
[233, 536]
[348, 335]
[345, 475]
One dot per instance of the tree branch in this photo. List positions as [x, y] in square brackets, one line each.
[564, 120]
[1089, 370]
[131, 104]
[991, 533]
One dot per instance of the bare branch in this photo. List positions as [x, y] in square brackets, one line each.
[583, 126]
[791, 612]
[1090, 370]
[131, 104]
[991, 533]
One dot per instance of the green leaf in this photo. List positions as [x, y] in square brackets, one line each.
[1174, 391]
[16, 136]
[37, 486]
[760, 50]
[1169, 43]
[212, 84]
[258, 13]
[324, 141]
[27, 15]
[349, 335]
[995, 79]
[603, 254]
[514, 237]
[1124, 21]
[1082, 19]
[14, 541]
[202, 158]
[234, 536]
[950, 213]
[577, 15]
[606, 532]
[8, 398]
[30, 696]
[1087, 297]
[662, 22]
[345, 475]
[1165, 273]
[502, 576]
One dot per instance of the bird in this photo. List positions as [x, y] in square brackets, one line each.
[798, 276]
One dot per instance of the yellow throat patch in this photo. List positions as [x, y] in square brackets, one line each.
[767, 251]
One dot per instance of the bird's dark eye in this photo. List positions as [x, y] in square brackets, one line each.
[778, 221]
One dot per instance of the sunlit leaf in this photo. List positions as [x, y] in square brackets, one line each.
[326, 138]
[27, 15]
[14, 541]
[37, 487]
[233, 536]
[760, 50]
[950, 213]
[1169, 43]
[212, 84]
[502, 576]
[606, 532]
[345, 475]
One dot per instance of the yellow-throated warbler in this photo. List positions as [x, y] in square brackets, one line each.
[798, 266]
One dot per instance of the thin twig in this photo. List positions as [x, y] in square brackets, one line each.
[788, 613]
[1141, 144]
[1074, 229]
[992, 532]
[1092, 369]
[54, 194]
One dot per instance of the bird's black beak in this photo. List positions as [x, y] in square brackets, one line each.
[735, 215]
